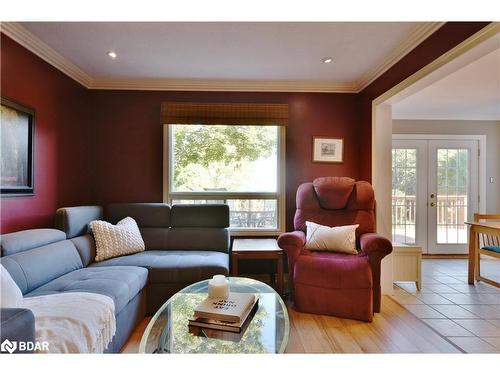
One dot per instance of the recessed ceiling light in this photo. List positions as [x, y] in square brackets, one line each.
[327, 60]
[112, 54]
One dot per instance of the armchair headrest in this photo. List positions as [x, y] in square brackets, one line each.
[333, 192]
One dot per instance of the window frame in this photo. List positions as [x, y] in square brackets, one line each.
[279, 195]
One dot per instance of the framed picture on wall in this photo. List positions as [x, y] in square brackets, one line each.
[17, 149]
[328, 150]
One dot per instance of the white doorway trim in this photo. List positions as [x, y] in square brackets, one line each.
[382, 129]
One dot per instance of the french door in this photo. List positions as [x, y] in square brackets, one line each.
[434, 190]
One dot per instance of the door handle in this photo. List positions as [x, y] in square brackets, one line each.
[432, 204]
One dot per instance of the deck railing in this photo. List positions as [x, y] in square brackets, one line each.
[450, 209]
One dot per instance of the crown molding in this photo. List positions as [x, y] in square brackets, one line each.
[417, 36]
[222, 85]
[34, 44]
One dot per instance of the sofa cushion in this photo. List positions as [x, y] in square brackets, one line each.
[86, 248]
[206, 239]
[120, 283]
[13, 243]
[17, 325]
[155, 238]
[333, 271]
[74, 220]
[174, 266]
[211, 239]
[33, 268]
[200, 215]
[147, 215]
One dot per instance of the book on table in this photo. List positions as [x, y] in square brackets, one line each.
[228, 314]
[230, 309]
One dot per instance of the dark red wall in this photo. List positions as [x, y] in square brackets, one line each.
[61, 135]
[444, 39]
[127, 139]
[106, 146]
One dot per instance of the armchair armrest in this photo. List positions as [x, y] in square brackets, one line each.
[374, 245]
[292, 242]
[376, 248]
[17, 324]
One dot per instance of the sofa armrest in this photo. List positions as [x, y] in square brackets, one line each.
[17, 324]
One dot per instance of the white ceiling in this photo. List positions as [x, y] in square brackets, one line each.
[232, 51]
[470, 93]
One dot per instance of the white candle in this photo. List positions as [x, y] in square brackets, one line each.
[218, 287]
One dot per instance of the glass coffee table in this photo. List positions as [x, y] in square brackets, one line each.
[267, 332]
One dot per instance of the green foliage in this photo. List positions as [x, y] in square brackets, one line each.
[452, 170]
[404, 172]
[220, 149]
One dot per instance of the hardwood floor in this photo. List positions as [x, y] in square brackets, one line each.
[446, 316]
[132, 345]
[394, 330]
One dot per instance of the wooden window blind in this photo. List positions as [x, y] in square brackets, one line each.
[224, 113]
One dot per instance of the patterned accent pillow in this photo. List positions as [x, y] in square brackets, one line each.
[115, 240]
[341, 239]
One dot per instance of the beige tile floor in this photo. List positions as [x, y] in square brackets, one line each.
[467, 315]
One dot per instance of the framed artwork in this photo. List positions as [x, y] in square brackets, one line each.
[328, 150]
[17, 149]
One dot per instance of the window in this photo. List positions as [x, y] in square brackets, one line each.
[404, 203]
[240, 165]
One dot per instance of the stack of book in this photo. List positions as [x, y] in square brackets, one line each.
[229, 314]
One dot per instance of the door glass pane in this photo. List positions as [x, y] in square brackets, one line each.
[404, 190]
[452, 195]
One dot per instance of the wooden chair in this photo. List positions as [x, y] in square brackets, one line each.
[488, 245]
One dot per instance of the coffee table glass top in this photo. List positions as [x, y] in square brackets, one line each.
[267, 332]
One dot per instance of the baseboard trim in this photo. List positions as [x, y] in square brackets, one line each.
[445, 256]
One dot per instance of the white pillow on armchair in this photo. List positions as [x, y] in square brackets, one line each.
[340, 239]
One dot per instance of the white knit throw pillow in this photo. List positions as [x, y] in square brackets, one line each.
[341, 239]
[115, 240]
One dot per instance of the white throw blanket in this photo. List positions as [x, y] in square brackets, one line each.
[73, 322]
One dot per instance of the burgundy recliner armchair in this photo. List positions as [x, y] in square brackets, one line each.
[330, 283]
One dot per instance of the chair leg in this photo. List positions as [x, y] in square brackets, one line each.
[478, 265]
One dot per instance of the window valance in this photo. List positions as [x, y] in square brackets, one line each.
[224, 113]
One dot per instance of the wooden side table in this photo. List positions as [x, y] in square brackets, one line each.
[258, 248]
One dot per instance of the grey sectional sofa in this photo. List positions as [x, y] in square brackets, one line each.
[184, 244]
